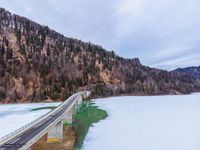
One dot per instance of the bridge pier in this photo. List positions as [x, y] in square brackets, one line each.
[80, 100]
[78, 103]
[50, 124]
[56, 133]
[69, 117]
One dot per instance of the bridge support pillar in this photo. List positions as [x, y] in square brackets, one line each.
[78, 104]
[56, 133]
[69, 117]
[80, 100]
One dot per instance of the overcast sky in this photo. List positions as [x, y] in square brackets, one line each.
[161, 33]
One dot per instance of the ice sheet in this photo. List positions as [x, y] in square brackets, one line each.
[147, 123]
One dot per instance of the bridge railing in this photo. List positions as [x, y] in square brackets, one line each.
[34, 139]
[32, 123]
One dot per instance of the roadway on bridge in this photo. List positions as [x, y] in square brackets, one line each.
[20, 140]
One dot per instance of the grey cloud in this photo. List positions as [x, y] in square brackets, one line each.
[160, 33]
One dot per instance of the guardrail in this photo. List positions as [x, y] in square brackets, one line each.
[9, 136]
[36, 138]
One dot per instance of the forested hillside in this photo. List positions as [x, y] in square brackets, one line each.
[37, 63]
[194, 71]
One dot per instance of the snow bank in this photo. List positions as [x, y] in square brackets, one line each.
[147, 123]
[13, 116]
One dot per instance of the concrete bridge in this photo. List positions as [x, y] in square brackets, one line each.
[50, 124]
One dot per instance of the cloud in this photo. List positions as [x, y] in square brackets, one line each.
[159, 32]
[183, 61]
[87, 20]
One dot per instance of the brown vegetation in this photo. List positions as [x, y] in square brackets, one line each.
[68, 142]
[37, 63]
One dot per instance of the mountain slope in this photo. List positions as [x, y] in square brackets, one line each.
[194, 71]
[37, 63]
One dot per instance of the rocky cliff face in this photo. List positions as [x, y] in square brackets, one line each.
[37, 63]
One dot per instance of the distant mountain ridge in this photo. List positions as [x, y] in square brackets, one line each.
[194, 71]
[37, 63]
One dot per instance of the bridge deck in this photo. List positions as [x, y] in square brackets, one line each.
[20, 140]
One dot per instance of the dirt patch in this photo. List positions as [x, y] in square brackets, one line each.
[67, 144]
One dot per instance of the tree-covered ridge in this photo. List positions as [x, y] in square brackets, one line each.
[194, 71]
[37, 63]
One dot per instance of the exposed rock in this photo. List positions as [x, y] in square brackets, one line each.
[37, 63]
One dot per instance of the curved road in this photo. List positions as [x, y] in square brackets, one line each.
[20, 140]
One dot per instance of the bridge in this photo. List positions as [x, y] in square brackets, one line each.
[50, 124]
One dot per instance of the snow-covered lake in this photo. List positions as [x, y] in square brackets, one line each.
[147, 123]
[13, 116]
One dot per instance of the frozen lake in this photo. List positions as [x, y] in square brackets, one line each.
[147, 123]
[13, 116]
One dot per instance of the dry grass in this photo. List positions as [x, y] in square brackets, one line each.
[67, 144]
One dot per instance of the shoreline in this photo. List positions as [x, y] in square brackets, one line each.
[86, 116]
[96, 97]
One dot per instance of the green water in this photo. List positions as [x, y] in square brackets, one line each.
[84, 118]
[86, 115]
